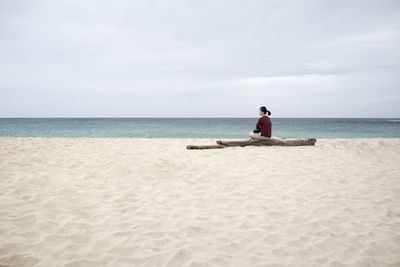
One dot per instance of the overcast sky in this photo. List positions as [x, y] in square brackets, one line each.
[169, 58]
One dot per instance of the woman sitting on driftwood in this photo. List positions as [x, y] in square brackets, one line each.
[260, 137]
[263, 126]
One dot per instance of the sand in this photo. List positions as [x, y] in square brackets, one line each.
[151, 202]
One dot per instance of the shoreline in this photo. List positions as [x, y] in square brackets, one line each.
[201, 128]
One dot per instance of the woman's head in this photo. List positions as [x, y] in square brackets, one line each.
[264, 111]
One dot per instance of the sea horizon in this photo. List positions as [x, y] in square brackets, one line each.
[191, 117]
[197, 127]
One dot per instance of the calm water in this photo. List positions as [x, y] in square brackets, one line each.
[197, 127]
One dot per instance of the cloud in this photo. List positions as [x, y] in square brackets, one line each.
[184, 56]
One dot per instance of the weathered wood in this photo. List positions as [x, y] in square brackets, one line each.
[270, 142]
[205, 147]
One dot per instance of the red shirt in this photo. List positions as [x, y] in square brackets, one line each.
[265, 125]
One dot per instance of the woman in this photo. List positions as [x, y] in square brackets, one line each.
[263, 127]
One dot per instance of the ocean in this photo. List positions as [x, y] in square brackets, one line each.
[197, 127]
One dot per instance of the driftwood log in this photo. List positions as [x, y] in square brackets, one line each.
[205, 147]
[268, 142]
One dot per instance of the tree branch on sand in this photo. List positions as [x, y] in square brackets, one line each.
[267, 142]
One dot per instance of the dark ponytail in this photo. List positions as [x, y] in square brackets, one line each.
[265, 110]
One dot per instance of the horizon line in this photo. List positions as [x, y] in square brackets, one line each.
[144, 117]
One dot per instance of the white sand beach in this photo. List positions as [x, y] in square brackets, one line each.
[151, 202]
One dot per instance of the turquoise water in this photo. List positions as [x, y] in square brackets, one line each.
[197, 127]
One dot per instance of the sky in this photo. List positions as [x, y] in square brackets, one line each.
[208, 58]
